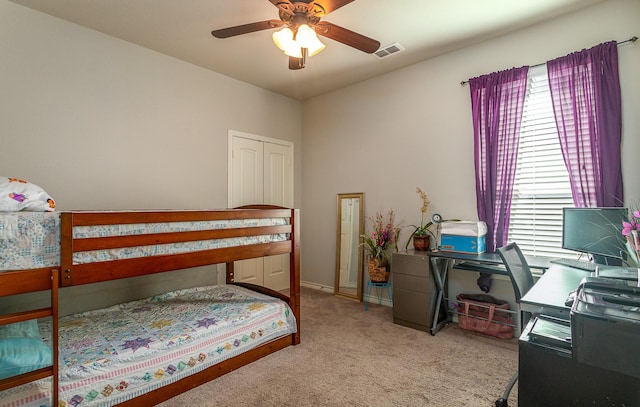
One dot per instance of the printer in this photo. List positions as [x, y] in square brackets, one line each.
[591, 360]
[463, 237]
[605, 325]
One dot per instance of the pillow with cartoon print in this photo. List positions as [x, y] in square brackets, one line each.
[20, 195]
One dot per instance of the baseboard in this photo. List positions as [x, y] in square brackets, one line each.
[372, 299]
[317, 286]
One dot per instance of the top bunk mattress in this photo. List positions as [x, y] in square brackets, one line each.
[31, 240]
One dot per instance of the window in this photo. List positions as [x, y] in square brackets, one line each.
[541, 188]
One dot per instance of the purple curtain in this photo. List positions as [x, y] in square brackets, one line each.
[585, 90]
[497, 100]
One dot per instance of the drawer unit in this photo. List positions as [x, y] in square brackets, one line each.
[413, 290]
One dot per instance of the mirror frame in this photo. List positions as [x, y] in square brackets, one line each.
[358, 292]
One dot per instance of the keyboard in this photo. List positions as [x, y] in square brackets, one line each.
[576, 264]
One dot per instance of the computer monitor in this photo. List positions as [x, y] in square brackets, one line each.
[596, 231]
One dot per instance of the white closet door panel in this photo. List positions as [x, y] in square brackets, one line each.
[278, 190]
[248, 172]
[276, 272]
[278, 175]
[247, 188]
[249, 271]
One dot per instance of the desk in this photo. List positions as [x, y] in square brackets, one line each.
[442, 262]
[551, 375]
[548, 294]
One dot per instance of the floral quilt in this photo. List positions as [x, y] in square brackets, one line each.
[113, 354]
[32, 239]
[29, 240]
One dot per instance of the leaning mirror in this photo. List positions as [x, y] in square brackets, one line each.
[349, 250]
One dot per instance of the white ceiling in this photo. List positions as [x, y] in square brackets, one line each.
[425, 28]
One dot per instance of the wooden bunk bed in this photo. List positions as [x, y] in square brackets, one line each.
[236, 234]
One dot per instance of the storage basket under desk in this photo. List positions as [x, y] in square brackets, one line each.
[481, 316]
[453, 303]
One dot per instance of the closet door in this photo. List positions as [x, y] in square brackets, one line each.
[278, 190]
[261, 171]
[247, 169]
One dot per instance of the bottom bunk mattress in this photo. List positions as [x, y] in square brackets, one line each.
[117, 353]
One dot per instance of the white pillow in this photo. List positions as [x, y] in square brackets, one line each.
[19, 195]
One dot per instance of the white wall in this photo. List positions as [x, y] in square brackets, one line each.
[104, 124]
[413, 127]
[100, 123]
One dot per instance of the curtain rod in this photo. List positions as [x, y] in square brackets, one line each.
[632, 39]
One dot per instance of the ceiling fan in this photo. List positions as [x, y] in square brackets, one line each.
[301, 22]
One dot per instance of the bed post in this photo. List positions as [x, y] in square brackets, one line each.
[66, 248]
[294, 272]
[230, 271]
[55, 285]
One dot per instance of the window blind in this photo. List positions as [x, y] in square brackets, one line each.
[541, 188]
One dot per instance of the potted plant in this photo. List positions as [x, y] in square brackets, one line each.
[631, 231]
[421, 234]
[379, 243]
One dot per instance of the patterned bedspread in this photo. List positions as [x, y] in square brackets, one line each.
[172, 248]
[113, 354]
[32, 239]
[29, 240]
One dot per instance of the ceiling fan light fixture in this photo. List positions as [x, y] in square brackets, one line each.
[294, 51]
[284, 40]
[301, 21]
[306, 37]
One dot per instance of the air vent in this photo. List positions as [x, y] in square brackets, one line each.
[389, 50]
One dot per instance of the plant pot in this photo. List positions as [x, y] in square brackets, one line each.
[378, 273]
[422, 243]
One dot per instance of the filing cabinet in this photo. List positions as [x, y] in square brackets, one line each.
[414, 293]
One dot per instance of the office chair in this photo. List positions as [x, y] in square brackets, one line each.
[522, 280]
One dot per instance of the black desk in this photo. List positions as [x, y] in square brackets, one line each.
[548, 294]
[549, 375]
[490, 263]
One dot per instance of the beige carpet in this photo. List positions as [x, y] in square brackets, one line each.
[349, 357]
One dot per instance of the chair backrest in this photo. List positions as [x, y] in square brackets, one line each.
[518, 269]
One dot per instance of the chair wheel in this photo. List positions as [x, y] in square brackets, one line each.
[502, 403]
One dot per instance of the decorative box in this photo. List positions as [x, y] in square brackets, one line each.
[463, 237]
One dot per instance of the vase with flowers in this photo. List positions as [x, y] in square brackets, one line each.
[379, 244]
[630, 230]
[421, 234]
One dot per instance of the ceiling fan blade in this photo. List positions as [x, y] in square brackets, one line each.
[296, 63]
[331, 5]
[246, 28]
[347, 37]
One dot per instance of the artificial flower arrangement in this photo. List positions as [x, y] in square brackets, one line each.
[630, 231]
[383, 237]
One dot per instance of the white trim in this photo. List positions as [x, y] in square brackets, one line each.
[317, 286]
[235, 133]
[373, 300]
